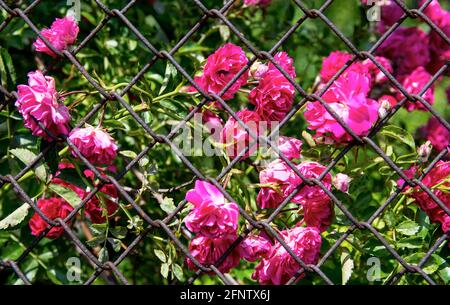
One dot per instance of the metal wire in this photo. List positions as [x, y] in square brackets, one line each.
[252, 224]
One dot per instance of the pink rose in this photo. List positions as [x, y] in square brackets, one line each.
[39, 100]
[377, 75]
[62, 33]
[236, 138]
[212, 122]
[93, 208]
[255, 247]
[257, 2]
[212, 216]
[413, 84]
[279, 266]
[274, 95]
[317, 206]
[437, 180]
[348, 98]
[285, 62]
[220, 68]
[281, 181]
[436, 133]
[94, 144]
[406, 59]
[208, 251]
[290, 147]
[52, 208]
[342, 182]
[332, 64]
[258, 70]
[434, 11]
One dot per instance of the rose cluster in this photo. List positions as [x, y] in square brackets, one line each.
[45, 114]
[438, 181]
[272, 96]
[214, 220]
[414, 66]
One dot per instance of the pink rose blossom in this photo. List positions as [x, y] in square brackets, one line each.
[317, 206]
[424, 151]
[405, 60]
[342, 182]
[274, 95]
[281, 181]
[439, 49]
[436, 133]
[62, 33]
[39, 100]
[93, 208]
[279, 266]
[52, 208]
[437, 180]
[212, 122]
[255, 247]
[212, 216]
[94, 144]
[377, 75]
[433, 10]
[388, 98]
[257, 2]
[220, 68]
[235, 138]
[208, 251]
[290, 147]
[258, 70]
[332, 64]
[285, 62]
[348, 98]
[414, 83]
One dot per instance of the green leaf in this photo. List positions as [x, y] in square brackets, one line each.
[399, 134]
[410, 243]
[15, 218]
[170, 72]
[432, 264]
[346, 266]
[408, 228]
[71, 176]
[27, 156]
[103, 255]
[160, 255]
[119, 232]
[67, 194]
[8, 65]
[95, 241]
[99, 228]
[445, 274]
[128, 153]
[224, 32]
[165, 270]
[115, 243]
[178, 272]
[51, 156]
[167, 205]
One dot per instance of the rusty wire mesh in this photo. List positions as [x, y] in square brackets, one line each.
[163, 55]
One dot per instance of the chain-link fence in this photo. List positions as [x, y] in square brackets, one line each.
[251, 224]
